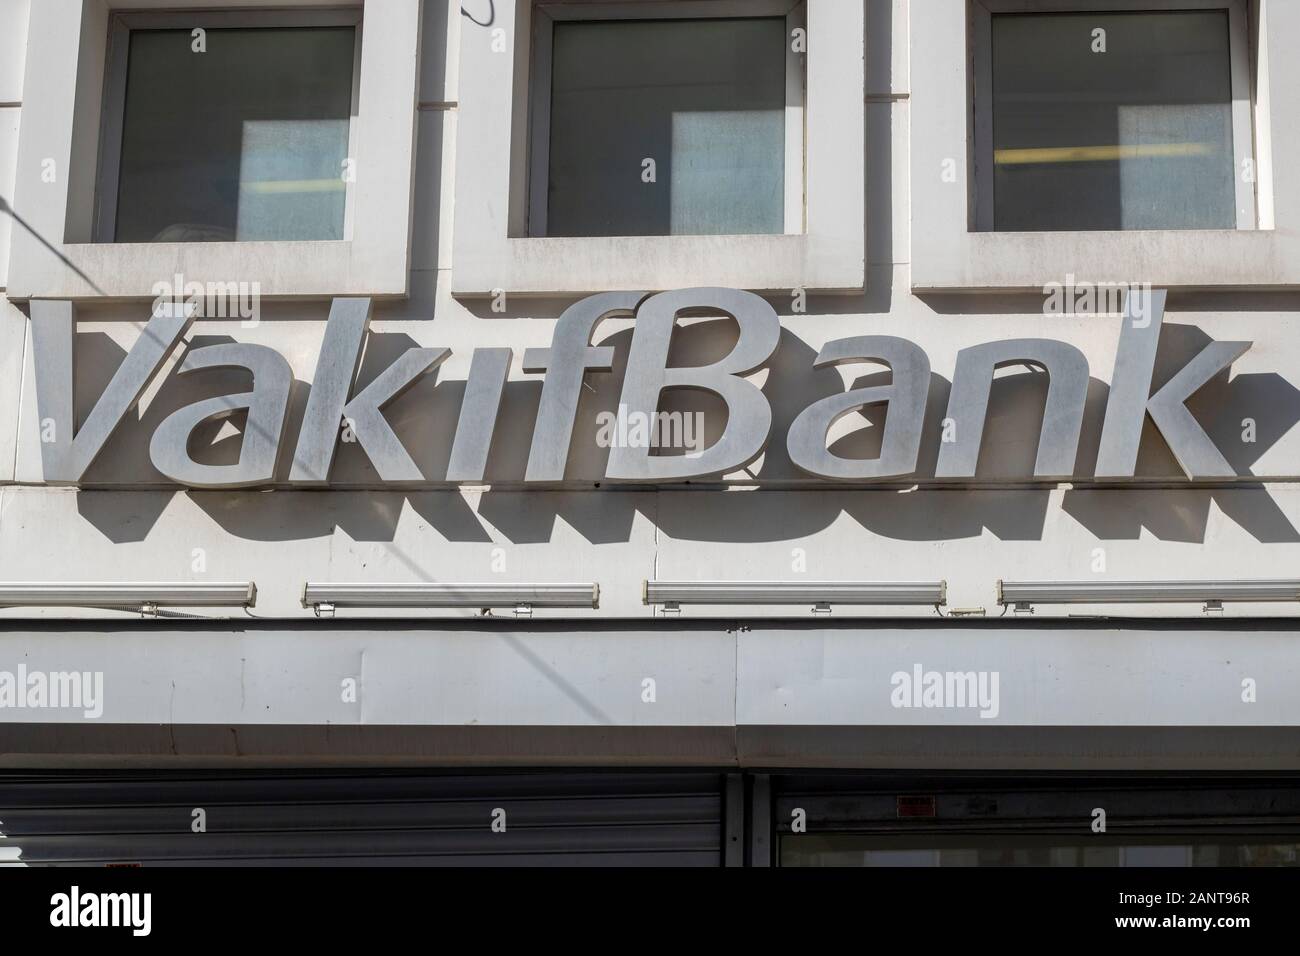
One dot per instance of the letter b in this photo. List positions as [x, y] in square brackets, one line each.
[749, 415]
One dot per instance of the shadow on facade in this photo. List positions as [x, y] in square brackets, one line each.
[425, 420]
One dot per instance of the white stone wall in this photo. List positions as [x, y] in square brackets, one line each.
[128, 525]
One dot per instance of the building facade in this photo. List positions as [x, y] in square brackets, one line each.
[772, 432]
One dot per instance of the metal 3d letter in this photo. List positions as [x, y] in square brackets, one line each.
[906, 396]
[1067, 392]
[1130, 386]
[365, 413]
[66, 457]
[336, 369]
[267, 404]
[749, 414]
[569, 358]
[328, 405]
[478, 414]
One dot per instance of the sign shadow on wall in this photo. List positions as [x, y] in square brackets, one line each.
[425, 420]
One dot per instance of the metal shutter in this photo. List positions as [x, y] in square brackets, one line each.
[362, 818]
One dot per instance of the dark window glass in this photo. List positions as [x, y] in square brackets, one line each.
[1136, 137]
[704, 99]
[244, 141]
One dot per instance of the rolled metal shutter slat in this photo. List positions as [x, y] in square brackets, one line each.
[553, 818]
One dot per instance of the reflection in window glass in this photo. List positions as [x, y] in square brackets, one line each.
[852, 849]
[245, 141]
[1136, 137]
[703, 99]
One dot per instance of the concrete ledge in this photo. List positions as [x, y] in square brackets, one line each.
[31, 746]
[198, 745]
[1021, 748]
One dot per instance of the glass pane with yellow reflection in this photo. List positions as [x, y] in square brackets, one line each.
[243, 140]
[1112, 121]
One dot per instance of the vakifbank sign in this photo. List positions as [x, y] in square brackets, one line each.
[333, 406]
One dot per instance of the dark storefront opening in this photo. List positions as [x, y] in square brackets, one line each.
[1007, 820]
[646, 818]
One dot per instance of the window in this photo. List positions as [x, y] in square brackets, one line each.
[665, 127]
[1113, 120]
[78, 56]
[238, 133]
[956, 243]
[751, 111]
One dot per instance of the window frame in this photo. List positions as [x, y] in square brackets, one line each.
[56, 257]
[949, 257]
[981, 176]
[113, 111]
[492, 253]
[545, 16]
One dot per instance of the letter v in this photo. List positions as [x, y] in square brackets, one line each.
[65, 457]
